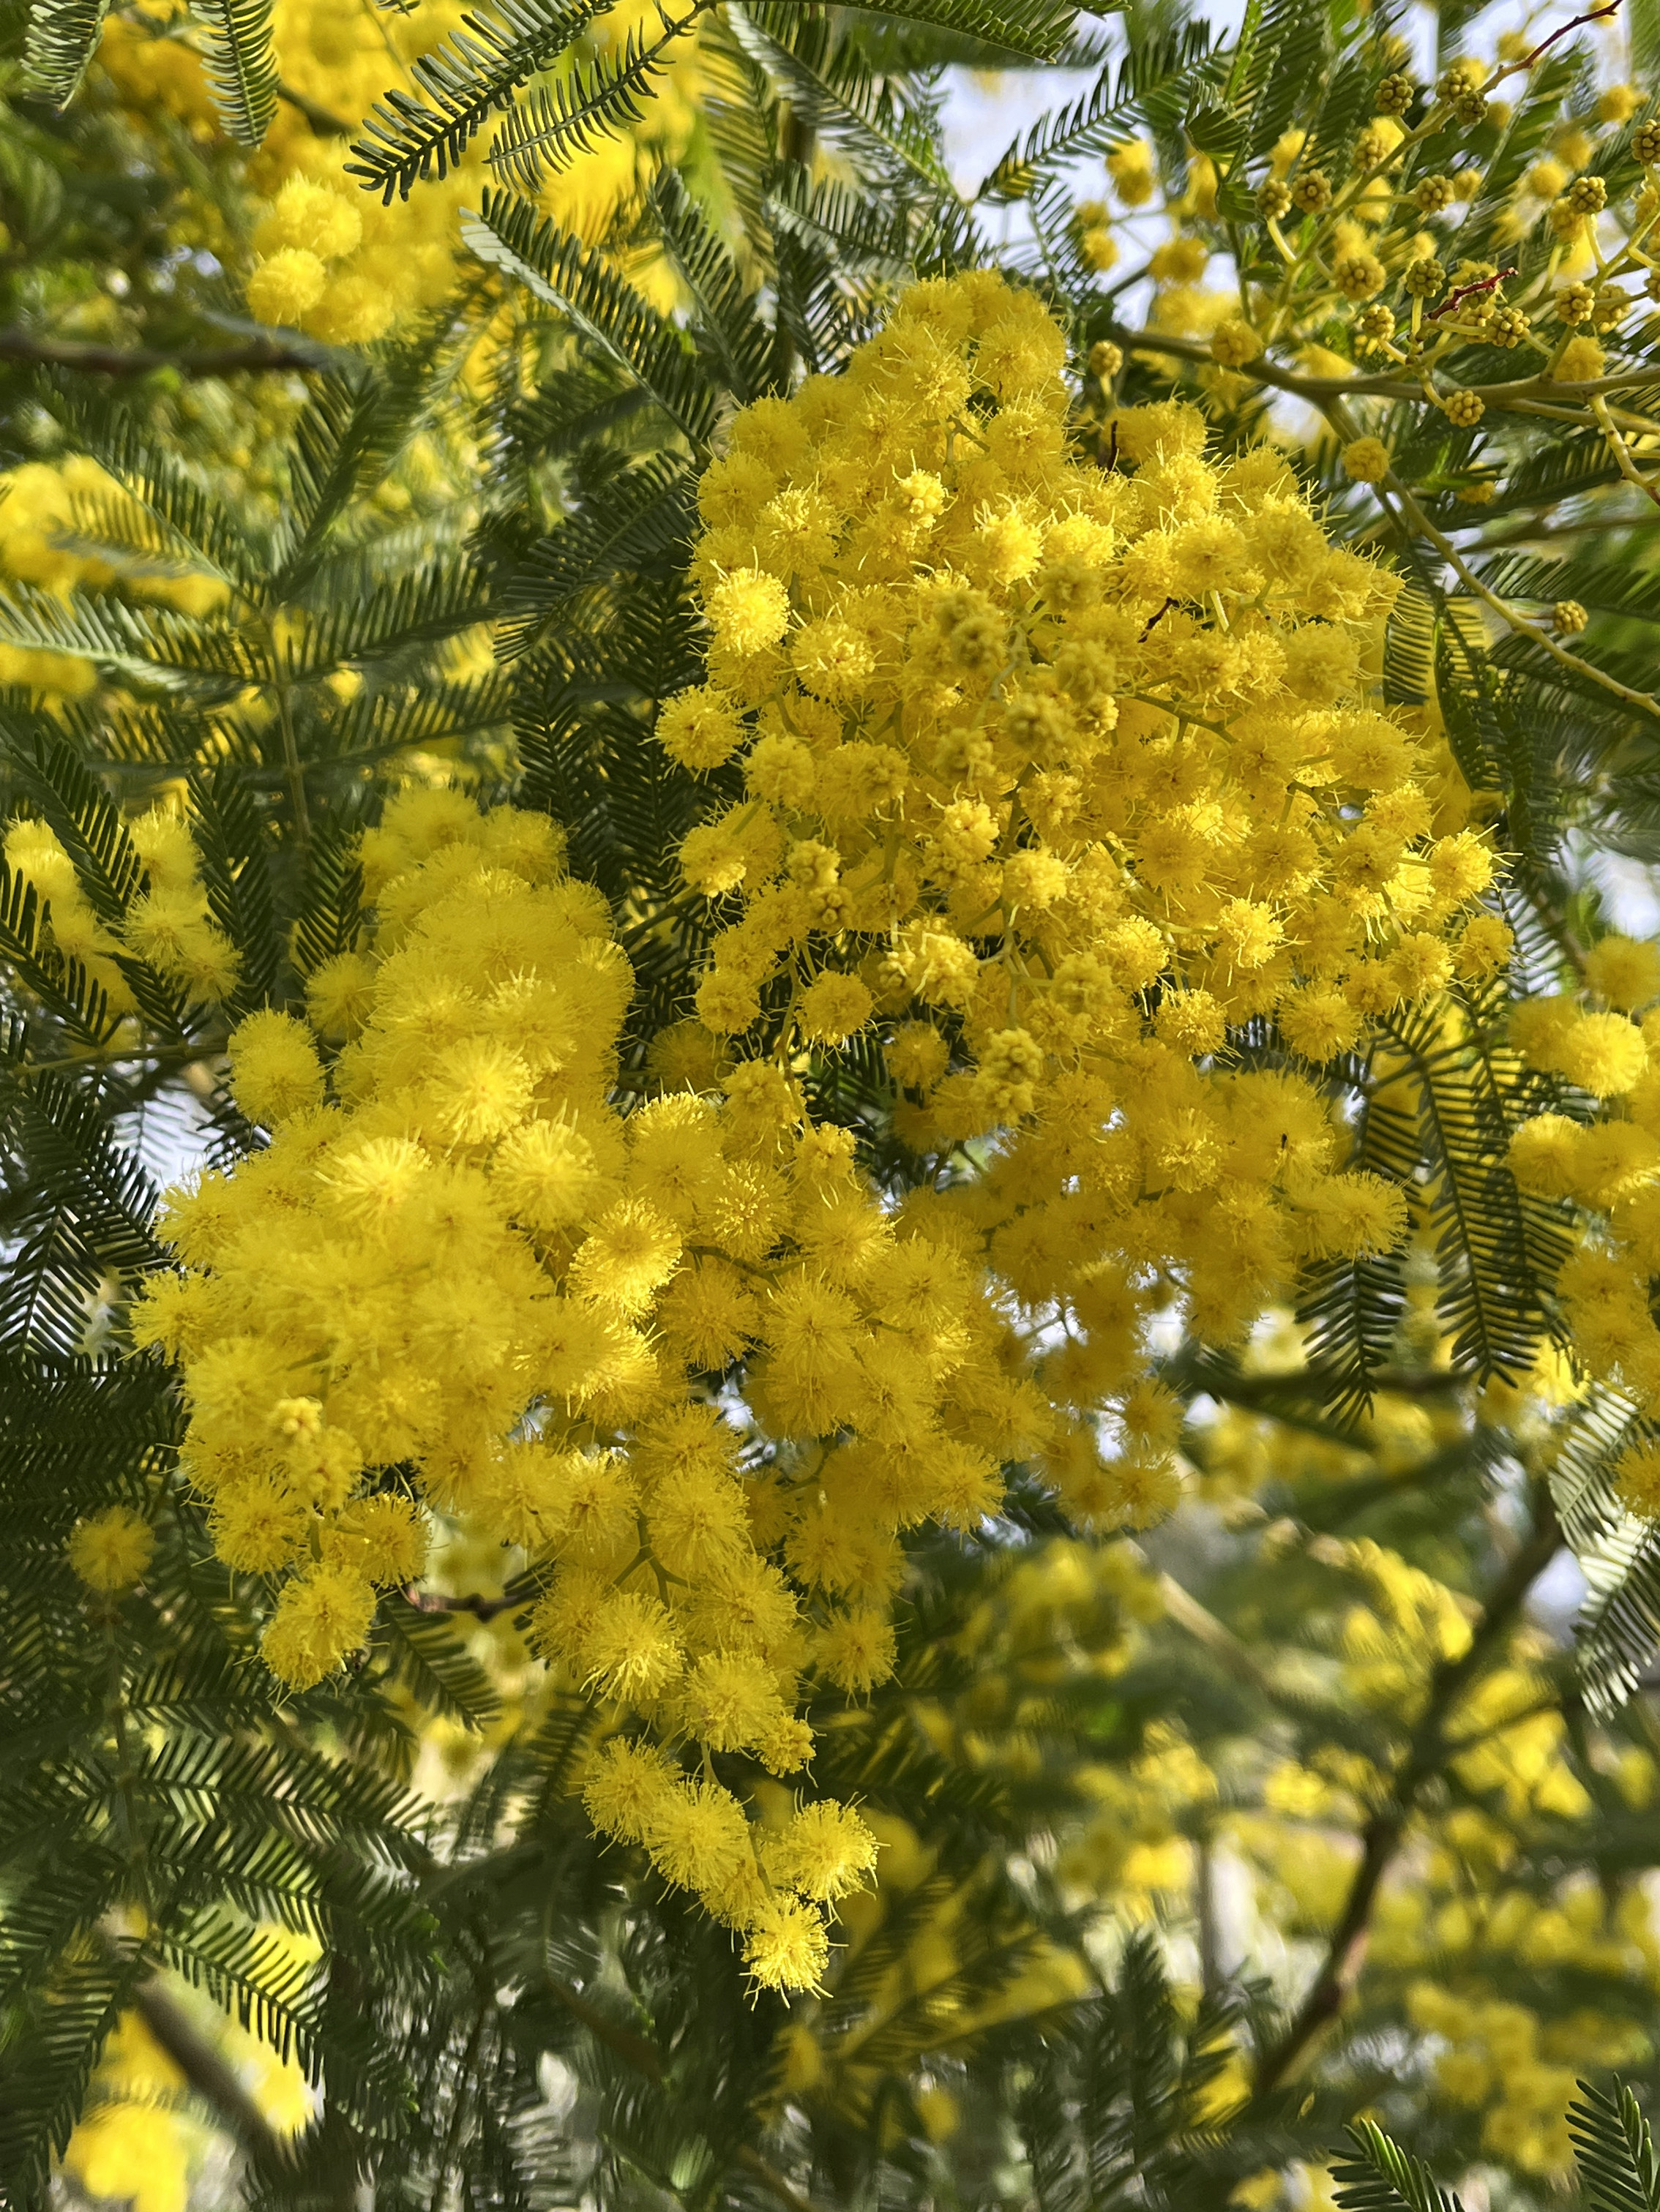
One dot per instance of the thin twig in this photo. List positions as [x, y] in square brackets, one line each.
[1545, 45]
[1429, 1748]
[1318, 389]
[474, 1602]
[1610, 429]
[321, 119]
[1539, 636]
[210, 2075]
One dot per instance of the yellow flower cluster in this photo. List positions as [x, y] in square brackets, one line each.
[458, 1277]
[330, 260]
[1059, 778]
[1601, 1046]
[1518, 2066]
[168, 924]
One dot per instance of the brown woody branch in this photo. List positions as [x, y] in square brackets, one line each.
[1430, 1748]
[1544, 46]
[474, 1602]
[210, 2075]
[256, 354]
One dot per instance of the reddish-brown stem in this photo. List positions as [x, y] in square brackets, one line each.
[1545, 45]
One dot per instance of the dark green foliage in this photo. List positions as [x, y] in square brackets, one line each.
[1612, 2141]
[1381, 2177]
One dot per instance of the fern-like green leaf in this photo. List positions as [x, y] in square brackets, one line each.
[470, 77]
[241, 64]
[1614, 2149]
[63, 38]
[1381, 2177]
[642, 516]
[568, 274]
[569, 116]
[1164, 71]
[729, 334]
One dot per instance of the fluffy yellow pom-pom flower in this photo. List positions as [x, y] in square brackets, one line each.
[110, 1550]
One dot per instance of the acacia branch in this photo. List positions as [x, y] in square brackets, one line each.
[209, 2075]
[1534, 631]
[1596, 16]
[323, 121]
[1318, 390]
[1628, 468]
[1429, 1748]
[474, 1602]
[255, 353]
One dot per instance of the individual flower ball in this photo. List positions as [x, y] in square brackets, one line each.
[1366, 460]
[749, 611]
[1424, 278]
[700, 729]
[311, 217]
[1311, 191]
[1580, 362]
[1465, 408]
[1360, 277]
[284, 288]
[1624, 971]
[1234, 343]
[110, 1550]
[274, 1072]
[833, 1007]
[321, 1617]
[1374, 327]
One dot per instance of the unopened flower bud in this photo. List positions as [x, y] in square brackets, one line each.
[1359, 275]
[1374, 326]
[1465, 408]
[1575, 303]
[1425, 279]
[1568, 616]
[1311, 191]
